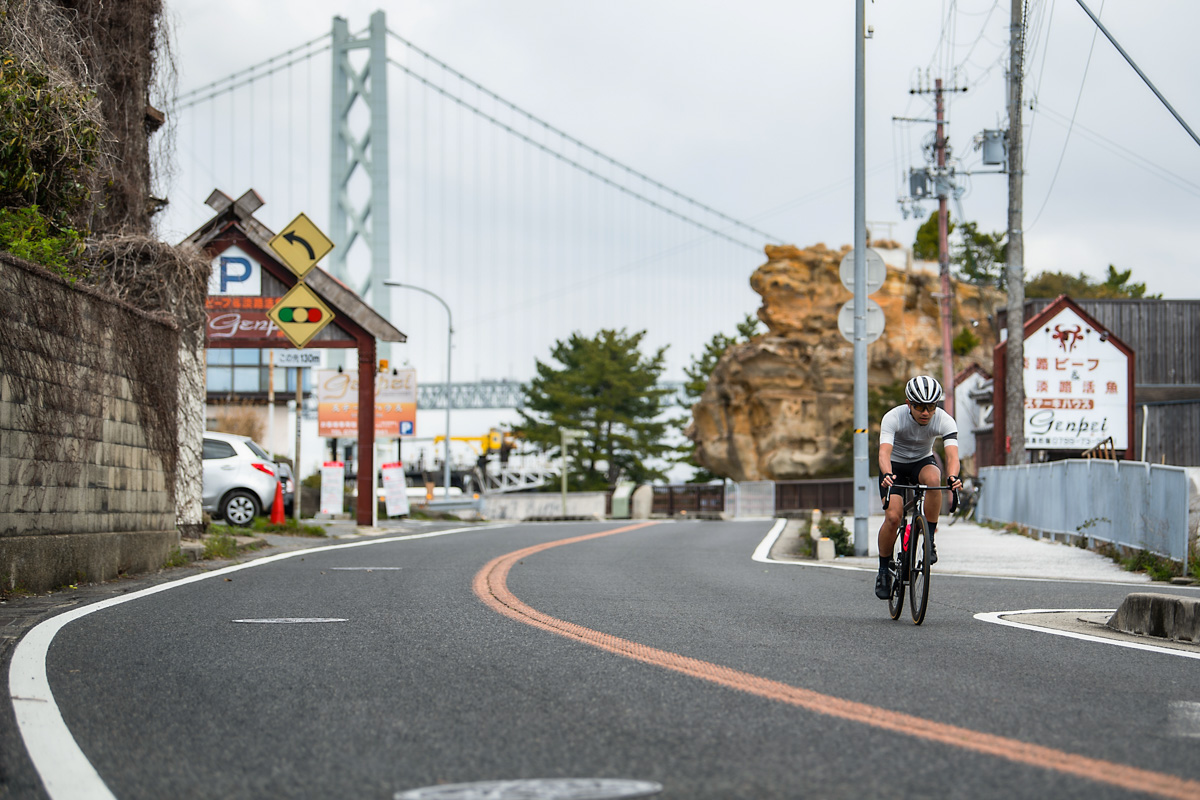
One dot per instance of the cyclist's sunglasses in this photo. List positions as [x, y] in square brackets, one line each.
[927, 408]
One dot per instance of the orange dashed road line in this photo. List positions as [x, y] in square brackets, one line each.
[491, 586]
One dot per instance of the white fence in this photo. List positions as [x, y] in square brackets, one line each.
[1130, 503]
[750, 499]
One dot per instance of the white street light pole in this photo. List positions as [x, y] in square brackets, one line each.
[449, 400]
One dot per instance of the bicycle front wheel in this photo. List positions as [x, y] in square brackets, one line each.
[921, 551]
[896, 598]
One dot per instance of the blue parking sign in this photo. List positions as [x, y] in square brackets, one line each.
[406, 428]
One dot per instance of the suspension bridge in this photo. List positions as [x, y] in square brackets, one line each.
[426, 176]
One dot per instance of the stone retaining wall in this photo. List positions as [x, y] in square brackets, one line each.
[87, 478]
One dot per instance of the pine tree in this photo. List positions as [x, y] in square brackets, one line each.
[606, 387]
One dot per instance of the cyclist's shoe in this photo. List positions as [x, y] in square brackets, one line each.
[883, 584]
[933, 547]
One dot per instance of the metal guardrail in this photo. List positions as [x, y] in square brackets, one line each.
[1129, 503]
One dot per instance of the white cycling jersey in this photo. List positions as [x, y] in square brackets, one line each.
[912, 442]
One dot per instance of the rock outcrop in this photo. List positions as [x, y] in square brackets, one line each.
[776, 406]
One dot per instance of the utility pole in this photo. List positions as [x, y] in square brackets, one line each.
[943, 192]
[943, 185]
[1014, 352]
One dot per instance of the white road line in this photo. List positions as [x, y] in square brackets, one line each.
[995, 617]
[291, 620]
[763, 551]
[366, 569]
[64, 769]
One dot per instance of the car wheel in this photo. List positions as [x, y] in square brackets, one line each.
[239, 508]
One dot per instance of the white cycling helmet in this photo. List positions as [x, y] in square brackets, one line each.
[923, 389]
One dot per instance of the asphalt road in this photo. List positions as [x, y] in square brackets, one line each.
[424, 683]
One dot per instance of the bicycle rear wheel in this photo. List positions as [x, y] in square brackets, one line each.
[896, 598]
[920, 548]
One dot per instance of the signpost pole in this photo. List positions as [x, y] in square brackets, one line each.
[296, 461]
[861, 471]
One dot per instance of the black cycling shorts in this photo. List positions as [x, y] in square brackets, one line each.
[909, 474]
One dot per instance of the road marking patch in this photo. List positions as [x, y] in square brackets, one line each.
[292, 620]
[1183, 719]
[999, 618]
[491, 586]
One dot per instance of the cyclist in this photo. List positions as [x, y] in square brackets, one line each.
[906, 438]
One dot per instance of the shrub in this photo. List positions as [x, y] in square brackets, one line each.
[27, 234]
[49, 141]
[838, 533]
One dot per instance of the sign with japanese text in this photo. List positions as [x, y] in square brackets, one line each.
[395, 489]
[1077, 386]
[333, 487]
[395, 404]
[235, 317]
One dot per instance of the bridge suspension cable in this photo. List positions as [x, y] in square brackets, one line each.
[569, 138]
[570, 161]
[251, 74]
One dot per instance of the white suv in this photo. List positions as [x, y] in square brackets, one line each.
[239, 478]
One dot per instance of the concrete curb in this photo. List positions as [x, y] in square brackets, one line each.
[1164, 616]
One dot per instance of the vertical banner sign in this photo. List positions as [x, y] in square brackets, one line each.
[395, 489]
[1077, 386]
[395, 404]
[333, 486]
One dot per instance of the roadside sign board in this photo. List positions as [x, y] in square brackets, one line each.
[300, 314]
[299, 358]
[876, 271]
[395, 404]
[874, 320]
[1077, 385]
[333, 486]
[301, 244]
[395, 489]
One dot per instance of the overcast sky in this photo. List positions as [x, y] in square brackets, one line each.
[748, 107]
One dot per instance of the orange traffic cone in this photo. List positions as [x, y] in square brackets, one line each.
[277, 517]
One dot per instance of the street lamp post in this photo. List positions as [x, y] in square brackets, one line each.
[449, 402]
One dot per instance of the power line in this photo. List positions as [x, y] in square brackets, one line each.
[591, 150]
[1067, 140]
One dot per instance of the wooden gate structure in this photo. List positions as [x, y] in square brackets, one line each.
[238, 319]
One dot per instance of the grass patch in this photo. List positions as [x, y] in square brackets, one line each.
[175, 558]
[290, 527]
[219, 545]
[838, 533]
[1157, 567]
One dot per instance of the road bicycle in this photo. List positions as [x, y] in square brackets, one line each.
[913, 551]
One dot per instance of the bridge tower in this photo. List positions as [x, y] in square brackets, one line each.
[367, 218]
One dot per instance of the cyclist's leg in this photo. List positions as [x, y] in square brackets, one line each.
[887, 540]
[932, 476]
[891, 524]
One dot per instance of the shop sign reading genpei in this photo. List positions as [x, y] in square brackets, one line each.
[1077, 385]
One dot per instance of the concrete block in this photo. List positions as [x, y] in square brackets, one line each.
[815, 530]
[1165, 616]
[641, 502]
[825, 549]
